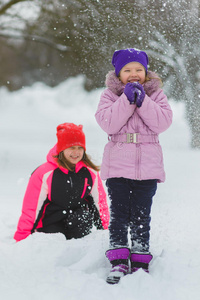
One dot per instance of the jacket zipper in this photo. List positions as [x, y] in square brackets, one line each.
[138, 157]
[138, 161]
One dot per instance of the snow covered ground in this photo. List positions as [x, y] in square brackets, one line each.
[49, 267]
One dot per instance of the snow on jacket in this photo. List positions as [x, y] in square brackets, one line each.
[42, 190]
[115, 115]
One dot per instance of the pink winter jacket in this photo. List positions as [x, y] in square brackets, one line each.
[39, 188]
[117, 117]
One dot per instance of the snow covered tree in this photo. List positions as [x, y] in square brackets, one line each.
[175, 46]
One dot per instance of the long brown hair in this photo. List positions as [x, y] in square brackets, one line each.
[63, 162]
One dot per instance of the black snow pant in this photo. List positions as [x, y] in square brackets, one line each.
[130, 208]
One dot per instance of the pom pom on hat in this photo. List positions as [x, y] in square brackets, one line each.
[125, 56]
[68, 135]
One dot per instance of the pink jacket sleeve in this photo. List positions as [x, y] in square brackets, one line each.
[156, 114]
[113, 115]
[35, 195]
[100, 198]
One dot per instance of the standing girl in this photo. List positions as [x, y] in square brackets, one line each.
[133, 110]
[59, 195]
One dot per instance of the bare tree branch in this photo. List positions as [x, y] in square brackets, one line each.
[8, 5]
[39, 39]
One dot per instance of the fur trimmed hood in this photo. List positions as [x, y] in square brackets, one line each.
[117, 87]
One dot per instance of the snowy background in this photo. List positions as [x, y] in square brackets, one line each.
[49, 267]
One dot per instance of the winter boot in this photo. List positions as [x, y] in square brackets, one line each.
[119, 259]
[140, 261]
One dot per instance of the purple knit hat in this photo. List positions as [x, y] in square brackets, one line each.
[125, 56]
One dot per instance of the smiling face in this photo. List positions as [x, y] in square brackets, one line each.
[73, 154]
[132, 72]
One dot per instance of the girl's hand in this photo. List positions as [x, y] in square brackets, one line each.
[135, 93]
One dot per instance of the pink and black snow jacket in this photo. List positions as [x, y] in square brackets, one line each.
[53, 191]
[133, 150]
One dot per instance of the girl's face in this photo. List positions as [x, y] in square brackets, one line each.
[132, 72]
[74, 154]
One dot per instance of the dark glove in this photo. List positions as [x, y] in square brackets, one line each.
[78, 223]
[77, 218]
[94, 210]
[135, 93]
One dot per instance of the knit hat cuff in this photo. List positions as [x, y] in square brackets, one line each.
[68, 135]
[125, 56]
